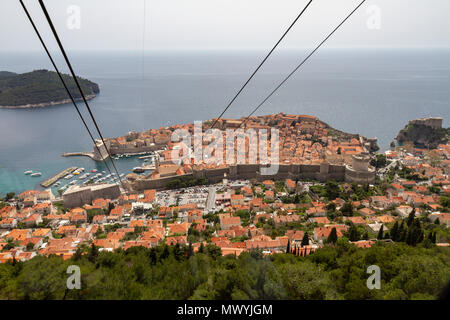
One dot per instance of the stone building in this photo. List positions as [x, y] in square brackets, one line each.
[77, 196]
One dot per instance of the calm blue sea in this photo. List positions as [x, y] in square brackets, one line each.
[371, 92]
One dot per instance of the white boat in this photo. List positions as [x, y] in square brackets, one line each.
[36, 174]
[28, 172]
[69, 176]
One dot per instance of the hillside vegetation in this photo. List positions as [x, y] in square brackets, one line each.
[39, 87]
[333, 272]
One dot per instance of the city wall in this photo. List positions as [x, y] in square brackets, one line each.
[321, 173]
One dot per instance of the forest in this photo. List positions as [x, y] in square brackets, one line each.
[336, 271]
[40, 87]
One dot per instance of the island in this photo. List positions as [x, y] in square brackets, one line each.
[40, 88]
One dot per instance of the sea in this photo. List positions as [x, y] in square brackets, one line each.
[373, 92]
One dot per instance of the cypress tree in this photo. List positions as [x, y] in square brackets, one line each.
[201, 249]
[77, 255]
[433, 239]
[409, 237]
[177, 251]
[93, 253]
[394, 231]
[403, 236]
[152, 256]
[437, 221]
[380, 233]
[411, 216]
[165, 253]
[190, 250]
[332, 238]
[288, 247]
[353, 233]
[420, 236]
[305, 240]
[387, 235]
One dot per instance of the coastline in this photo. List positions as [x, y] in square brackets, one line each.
[47, 104]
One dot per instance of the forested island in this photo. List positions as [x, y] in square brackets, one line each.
[40, 88]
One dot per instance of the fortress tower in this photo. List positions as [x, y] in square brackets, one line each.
[103, 154]
[360, 171]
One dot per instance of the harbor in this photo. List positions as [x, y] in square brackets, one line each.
[57, 177]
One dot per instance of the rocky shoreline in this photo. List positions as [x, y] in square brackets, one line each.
[47, 104]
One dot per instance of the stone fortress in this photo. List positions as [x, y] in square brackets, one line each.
[433, 122]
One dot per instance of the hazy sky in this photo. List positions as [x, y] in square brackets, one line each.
[225, 24]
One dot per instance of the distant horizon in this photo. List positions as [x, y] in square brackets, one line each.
[405, 47]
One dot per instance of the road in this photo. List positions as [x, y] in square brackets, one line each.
[211, 201]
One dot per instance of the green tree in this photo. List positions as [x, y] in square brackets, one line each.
[332, 237]
[305, 240]
[380, 233]
[347, 209]
[353, 233]
[332, 190]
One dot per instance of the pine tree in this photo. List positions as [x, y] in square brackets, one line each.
[332, 238]
[380, 233]
[305, 240]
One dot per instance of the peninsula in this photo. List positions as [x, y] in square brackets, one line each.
[424, 133]
[40, 88]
